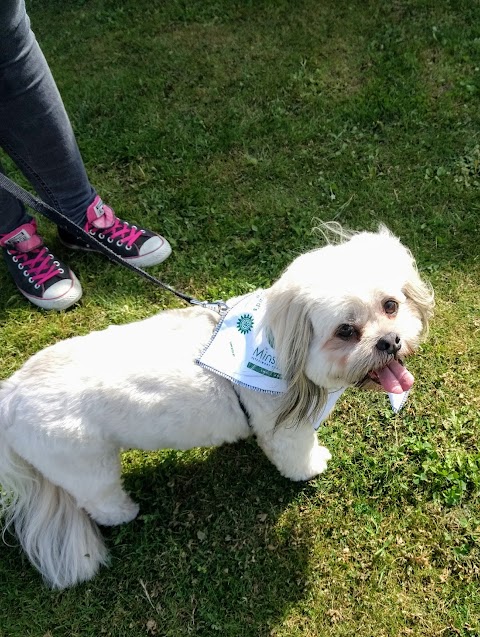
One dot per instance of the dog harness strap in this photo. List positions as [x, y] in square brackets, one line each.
[242, 407]
[64, 222]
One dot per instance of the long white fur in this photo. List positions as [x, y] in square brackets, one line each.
[69, 411]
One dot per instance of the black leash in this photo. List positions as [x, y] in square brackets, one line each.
[61, 220]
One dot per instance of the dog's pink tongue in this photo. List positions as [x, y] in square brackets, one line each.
[395, 378]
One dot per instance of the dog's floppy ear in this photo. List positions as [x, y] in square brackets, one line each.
[421, 294]
[288, 321]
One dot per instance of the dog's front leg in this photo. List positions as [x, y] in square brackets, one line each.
[295, 451]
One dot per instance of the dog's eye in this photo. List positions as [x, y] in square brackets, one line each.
[346, 331]
[390, 307]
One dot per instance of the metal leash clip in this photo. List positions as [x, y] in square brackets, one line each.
[218, 306]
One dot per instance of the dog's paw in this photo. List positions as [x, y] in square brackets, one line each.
[114, 512]
[315, 464]
[312, 465]
[318, 461]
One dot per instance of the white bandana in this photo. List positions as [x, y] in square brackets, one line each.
[243, 351]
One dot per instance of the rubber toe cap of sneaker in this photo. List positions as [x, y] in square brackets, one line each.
[60, 295]
[153, 251]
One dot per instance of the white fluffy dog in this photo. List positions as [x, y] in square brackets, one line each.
[342, 315]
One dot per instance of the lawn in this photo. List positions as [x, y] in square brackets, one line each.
[233, 127]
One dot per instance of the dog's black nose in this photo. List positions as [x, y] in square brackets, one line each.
[390, 343]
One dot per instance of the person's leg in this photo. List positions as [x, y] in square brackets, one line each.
[36, 132]
[34, 127]
[12, 212]
[30, 118]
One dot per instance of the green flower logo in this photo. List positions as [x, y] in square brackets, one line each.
[245, 323]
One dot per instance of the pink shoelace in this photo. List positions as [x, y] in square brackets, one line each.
[38, 264]
[120, 231]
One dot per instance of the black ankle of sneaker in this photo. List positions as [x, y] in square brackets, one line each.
[70, 240]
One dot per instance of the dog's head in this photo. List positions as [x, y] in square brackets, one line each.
[347, 314]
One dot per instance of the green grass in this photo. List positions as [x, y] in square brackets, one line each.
[233, 127]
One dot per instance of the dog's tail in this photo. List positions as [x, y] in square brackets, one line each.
[60, 539]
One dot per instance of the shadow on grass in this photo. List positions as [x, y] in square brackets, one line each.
[218, 547]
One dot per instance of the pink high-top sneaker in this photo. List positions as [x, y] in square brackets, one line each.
[38, 274]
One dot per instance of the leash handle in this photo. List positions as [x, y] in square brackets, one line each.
[61, 220]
